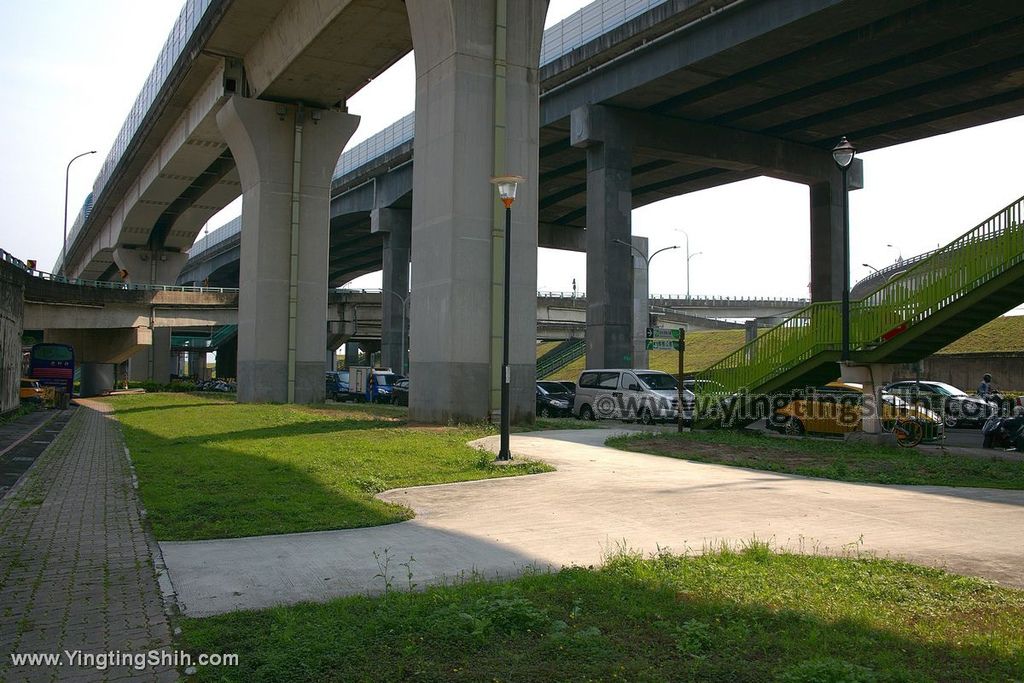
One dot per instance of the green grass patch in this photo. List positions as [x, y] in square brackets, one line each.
[829, 459]
[211, 468]
[730, 615]
[1002, 335]
[703, 349]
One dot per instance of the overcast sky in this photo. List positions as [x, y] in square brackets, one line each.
[71, 71]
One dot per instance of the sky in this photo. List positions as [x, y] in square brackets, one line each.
[71, 71]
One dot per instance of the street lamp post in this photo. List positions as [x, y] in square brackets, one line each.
[67, 172]
[899, 252]
[647, 259]
[868, 265]
[689, 256]
[405, 303]
[843, 154]
[507, 192]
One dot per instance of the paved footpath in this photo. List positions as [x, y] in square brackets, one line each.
[76, 570]
[598, 499]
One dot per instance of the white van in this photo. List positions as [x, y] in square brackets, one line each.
[624, 394]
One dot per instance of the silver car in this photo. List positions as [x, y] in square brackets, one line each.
[626, 394]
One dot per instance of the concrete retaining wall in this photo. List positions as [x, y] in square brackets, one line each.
[964, 370]
[12, 317]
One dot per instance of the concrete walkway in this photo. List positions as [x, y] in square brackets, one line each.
[75, 564]
[598, 499]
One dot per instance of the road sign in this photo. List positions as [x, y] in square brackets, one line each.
[662, 345]
[660, 333]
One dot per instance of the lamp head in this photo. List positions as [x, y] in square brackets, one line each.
[507, 185]
[843, 153]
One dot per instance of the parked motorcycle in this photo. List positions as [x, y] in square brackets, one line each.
[1004, 432]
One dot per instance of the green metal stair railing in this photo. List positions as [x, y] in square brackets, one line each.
[812, 336]
[560, 356]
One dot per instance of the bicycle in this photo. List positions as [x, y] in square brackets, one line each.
[908, 431]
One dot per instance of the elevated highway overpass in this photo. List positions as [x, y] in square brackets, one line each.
[682, 96]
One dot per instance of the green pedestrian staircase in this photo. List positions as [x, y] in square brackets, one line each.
[560, 356]
[972, 280]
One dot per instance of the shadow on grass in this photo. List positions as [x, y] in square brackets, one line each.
[684, 619]
[172, 406]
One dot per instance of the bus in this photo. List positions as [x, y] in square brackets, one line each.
[53, 365]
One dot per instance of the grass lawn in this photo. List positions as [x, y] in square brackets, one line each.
[211, 468]
[703, 349]
[747, 615]
[828, 459]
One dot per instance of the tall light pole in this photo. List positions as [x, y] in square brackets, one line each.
[646, 258]
[67, 172]
[868, 265]
[645, 312]
[405, 302]
[843, 154]
[507, 191]
[689, 256]
[899, 252]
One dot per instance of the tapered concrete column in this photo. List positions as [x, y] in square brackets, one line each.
[609, 207]
[285, 157]
[396, 227]
[462, 139]
[641, 303]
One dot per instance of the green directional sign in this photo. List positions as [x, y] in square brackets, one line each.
[662, 345]
[659, 333]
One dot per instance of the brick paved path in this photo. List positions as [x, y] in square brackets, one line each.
[76, 572]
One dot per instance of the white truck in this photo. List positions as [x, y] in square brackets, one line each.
[359, 383]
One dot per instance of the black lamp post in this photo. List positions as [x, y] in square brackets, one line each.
[843, 154]
[67, 173]
[507, 191]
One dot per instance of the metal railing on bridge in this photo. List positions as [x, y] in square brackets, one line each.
[106, 284]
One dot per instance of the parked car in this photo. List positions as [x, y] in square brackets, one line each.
[337, 385]
[553, 400]
[31, 391]
[626, 394]
[400, 392]
[570, 388]
[836, 409]
[954, 405]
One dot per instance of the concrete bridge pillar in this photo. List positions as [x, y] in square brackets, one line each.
[641, 303]
[351, 354]
[151, 267]
[477, 116]
[227, 359]
[396, 227]
[827, 245]
[286, 156]
[827, 239]
[610, 295]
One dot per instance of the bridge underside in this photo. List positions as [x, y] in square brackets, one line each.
[880, 73]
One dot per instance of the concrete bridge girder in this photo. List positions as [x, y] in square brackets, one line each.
[189, 149]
